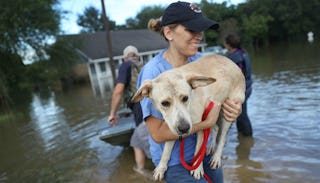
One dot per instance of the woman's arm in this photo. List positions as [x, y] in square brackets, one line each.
[160, 131]
[115, 102]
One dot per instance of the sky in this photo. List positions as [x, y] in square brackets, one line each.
[117, 10]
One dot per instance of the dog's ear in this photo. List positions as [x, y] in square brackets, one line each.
[199, 81]
[143, 91]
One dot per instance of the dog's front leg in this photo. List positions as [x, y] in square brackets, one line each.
[163, 164]
[214, 132]
[222, 137]
[198, 172]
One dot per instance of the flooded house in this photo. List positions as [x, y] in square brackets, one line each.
[94, 52]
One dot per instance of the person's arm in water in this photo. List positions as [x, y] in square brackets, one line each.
[118, 91]
[115, 101]
[160, 131]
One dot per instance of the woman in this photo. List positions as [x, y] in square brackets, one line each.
[181, 25]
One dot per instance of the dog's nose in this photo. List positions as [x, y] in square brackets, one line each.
[183, 128]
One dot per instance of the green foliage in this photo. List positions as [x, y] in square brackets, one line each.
[292, 19]
[131, 23]
[260, 21]
[26, 24]
[92, 21]
[142, 18]
[224, 16]
[63, 55]
[12, 71]
[25, 27]
[146, 14]
[211, 37]
[36, 72]
[256, 27]
[228, 26]
[14, 83]
[215, 11]
[256, 21]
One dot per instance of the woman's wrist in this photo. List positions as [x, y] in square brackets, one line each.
[200, 126]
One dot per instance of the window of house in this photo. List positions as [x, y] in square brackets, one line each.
[102, 66]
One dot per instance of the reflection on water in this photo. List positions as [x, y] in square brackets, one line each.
[284, 109]
[49, 121]
[246, 166]
[57, 140]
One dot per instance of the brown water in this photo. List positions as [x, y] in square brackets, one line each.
[55, 138]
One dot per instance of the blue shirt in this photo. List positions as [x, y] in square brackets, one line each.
[151, 70]
[124, 73]
[242, 59]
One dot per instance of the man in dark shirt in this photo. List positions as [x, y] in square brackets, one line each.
[130, 54]
[126, 86]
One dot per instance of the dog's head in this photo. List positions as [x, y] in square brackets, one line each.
[171, 92]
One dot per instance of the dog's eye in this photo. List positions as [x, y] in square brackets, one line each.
[185, 99]
[165, 104]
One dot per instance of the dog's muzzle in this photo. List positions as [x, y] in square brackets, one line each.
[183, 128]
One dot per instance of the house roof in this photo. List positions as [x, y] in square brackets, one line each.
[94, 45]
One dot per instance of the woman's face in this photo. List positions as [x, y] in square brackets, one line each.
[186, 42]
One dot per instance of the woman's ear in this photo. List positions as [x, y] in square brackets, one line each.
[167, 32]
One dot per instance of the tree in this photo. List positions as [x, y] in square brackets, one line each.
[131, 23]
[142, 18]
[228, 26]
[63, 56]
[219, 13]
[147, 13]
[92, 21]
[292, 19]
[256, 27]
[25, 26]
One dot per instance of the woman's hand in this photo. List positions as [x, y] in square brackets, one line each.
[231, 109]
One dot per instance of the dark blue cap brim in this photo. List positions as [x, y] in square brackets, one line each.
[200, 24]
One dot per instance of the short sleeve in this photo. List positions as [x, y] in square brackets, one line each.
[149, 72]
[124, 73]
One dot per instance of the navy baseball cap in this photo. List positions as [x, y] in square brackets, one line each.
[189, 15]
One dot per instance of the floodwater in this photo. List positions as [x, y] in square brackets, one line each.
[55, 139]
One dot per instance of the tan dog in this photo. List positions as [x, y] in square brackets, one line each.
[181, 95]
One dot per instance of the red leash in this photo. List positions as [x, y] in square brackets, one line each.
[198, 158]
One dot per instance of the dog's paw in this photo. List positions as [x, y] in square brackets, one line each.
[215, 161]
[198, 172]
[159, 172]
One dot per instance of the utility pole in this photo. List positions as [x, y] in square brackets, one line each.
[109, 45]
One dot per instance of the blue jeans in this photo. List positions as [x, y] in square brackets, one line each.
[243, 121]
[178, 174]
[137, 111]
